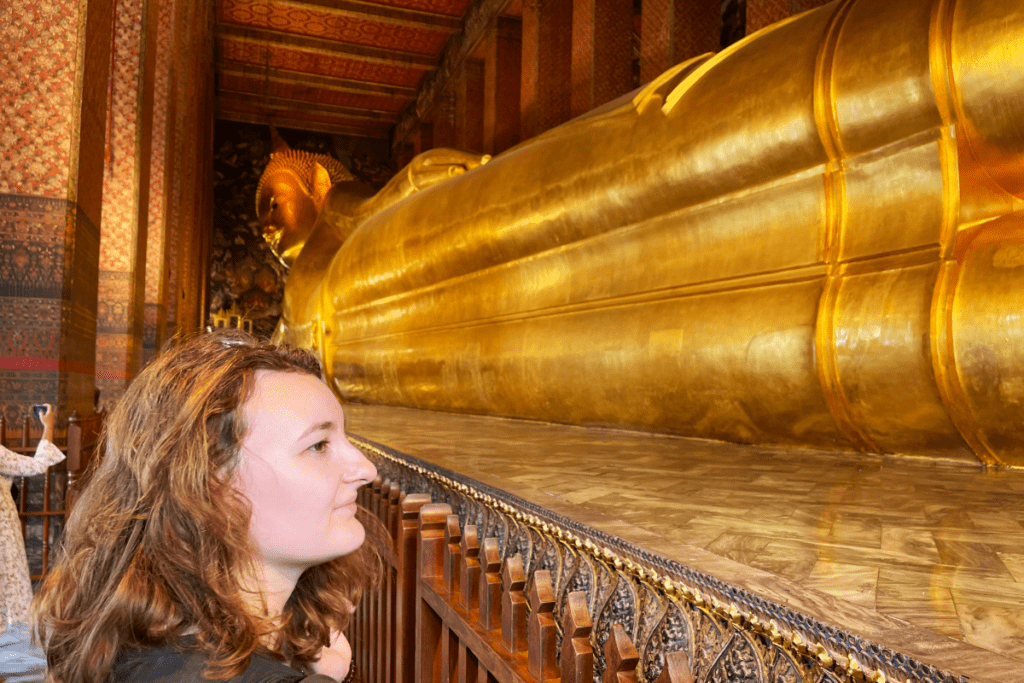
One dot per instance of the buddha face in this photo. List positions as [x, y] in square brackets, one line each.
[287, 212]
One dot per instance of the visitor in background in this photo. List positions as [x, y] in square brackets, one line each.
[15, 585]
[219, 537]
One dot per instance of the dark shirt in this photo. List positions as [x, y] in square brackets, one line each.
[168, 664]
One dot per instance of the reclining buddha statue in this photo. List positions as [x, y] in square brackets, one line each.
[813, 238]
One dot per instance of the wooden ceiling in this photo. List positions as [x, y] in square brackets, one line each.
[338, 66]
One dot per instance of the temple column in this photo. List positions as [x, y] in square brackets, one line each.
[469, 106]
[672, 31]
[155, 318]
[444, 121]
[547, 65]
[602, 52]
[761, 13]
[502, 73]
[55, 58]
[424, 138]
[121, 298]
[190, 188]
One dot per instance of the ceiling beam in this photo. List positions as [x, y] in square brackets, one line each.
[382, 13]
[313, 80]
[226, 97]
[481, 15]
[335, 48]
[300, 124]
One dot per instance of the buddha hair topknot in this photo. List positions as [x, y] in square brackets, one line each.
[302, 164]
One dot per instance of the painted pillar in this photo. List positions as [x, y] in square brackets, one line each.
[672, 31]
[761, 13]
[602, 52]
[189, 161]
[424, 138]
[503, 63]
[469, 106]
[547, 65]
[121, 298]
[55, 59]
[155, 318]
[444, 121]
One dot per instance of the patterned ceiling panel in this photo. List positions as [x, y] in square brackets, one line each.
[319, 23]
[453, 8]
[319, 63]
[292, 91]
[347, 66]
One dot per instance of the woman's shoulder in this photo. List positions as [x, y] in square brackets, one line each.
[170, 664]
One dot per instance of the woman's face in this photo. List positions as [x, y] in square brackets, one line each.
[300, 473]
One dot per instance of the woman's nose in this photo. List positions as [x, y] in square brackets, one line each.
[357, 467]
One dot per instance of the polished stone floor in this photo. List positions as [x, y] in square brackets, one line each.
[866, 542]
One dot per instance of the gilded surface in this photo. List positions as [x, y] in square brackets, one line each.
[812, 238]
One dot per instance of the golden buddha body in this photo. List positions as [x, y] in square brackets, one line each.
[813, 238]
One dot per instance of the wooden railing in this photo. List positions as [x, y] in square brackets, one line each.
[61, 481]
[485, 588]
[449, 610]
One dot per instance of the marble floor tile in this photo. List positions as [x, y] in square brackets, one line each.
[921, 604]
[853, 583]
[585, 494]
[996, 521]
[793, 563]
[994, 626]
[914, 544]
[966, 554]
[1015, 564]
[740, 547]
[856, 529]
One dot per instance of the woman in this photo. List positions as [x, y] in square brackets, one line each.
[15, 585]
[218, 538]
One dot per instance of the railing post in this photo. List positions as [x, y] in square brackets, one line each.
[620, 656]
[677, 669]
[541, 629]
[577, 663]
[513, 606]
[429, 629]
[407, 564]
[490, 585]
[452, 555]
[470, 569]
[367, 625]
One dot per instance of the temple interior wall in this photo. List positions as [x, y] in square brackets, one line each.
[107, 175]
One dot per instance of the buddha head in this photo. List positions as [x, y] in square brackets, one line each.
[290, 194]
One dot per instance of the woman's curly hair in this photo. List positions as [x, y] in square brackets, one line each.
[158, 541]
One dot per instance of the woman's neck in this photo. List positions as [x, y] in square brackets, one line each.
[273, 586]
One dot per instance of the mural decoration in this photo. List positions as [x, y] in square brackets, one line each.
[245, 277]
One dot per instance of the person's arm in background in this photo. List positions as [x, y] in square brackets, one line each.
[14, 465]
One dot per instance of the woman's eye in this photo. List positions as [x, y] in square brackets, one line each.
[320, 446]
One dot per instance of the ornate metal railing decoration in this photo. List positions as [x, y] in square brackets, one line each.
[484, 586]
